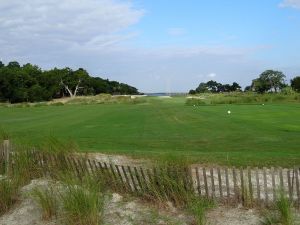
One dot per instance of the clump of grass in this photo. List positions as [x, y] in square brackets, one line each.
[168, 181]
[284, 208]
[8, 195]
[83, 204]
[4, 135]
[198, 206]
[59, 150]
[25, 166]
[283, 212]
[48, 201]
[171, 181]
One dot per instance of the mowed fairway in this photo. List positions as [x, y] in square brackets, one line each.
[250, 135]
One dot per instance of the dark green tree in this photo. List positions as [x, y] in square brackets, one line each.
[235, 87]
[28, 83]
[202, 88]
[295, 83]
[269, 80]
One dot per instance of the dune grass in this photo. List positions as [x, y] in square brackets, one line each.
[282, 212]
[255, 135]
[48, 201]
[8, 195]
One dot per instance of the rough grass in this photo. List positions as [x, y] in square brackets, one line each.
[83, 204]
[243, 98]
[252, 135]
[47, 200]
[281, 214]
[8, 195]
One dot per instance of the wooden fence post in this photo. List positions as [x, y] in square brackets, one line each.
[220, 183]
[297, 186]
[273, 184]
[257, 185]
[227, 183]
[250, 185]
[6, 148]
[198, 181]
[265, 186]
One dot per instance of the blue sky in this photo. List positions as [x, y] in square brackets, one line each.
[155, 45]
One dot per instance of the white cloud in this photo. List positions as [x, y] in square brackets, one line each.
[290, 3]
[211, 75]
[176, 31]
[49, 24]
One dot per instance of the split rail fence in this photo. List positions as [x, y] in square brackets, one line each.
[247, 186]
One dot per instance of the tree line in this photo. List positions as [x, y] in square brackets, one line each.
[268, 81]
[29, 83]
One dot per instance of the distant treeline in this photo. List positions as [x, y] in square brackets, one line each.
[29, 83]
[268, 81]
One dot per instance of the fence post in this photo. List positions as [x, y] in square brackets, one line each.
[6, 148]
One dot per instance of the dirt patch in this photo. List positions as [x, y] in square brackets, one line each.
[26, 212]
[117, 159]
[233, 216]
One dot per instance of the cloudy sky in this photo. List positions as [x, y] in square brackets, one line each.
[155, 45]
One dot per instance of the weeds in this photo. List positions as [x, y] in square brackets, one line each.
[8, 195]
[198, 206]
[242, 98]
[283, 213]
[82, 206]
[172, 182]
[25, 167]
[4, 135]
[47, 200]
[284, 208]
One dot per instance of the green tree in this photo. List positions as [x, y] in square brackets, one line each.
[235, 87]
[213, 86]
[295, 83]
[13, 64]
[270, 80]
[202, 88]
[192, 92]
[29, 83]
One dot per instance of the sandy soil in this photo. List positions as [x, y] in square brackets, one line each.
[233, 216]
[118, 210]
[124, 210]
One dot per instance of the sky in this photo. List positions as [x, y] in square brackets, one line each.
[155, 45]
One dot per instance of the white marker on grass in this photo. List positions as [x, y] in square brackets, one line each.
[228, 112]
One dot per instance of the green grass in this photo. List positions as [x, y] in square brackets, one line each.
[8, 195]
[82, 205]
[162, 128]
[282, 213]
[47, 200]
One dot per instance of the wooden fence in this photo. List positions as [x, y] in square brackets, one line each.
[247, 186]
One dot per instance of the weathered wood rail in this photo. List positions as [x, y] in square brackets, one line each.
[247, 186]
